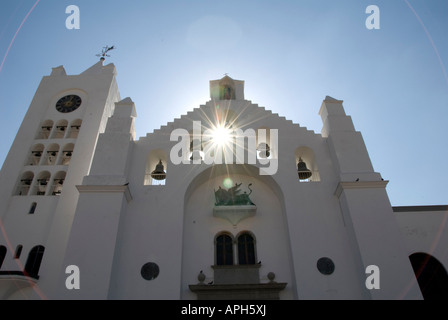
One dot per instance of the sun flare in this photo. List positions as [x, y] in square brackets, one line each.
[221, 135]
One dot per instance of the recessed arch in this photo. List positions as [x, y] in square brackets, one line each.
[24, 184]
[51, 154]
[266, 148]
[226, 89]
[73, 130]
[66, 154]
[58, 183]
[60, 129]
[200, 226]
[45, 129]
[41, 183]
[35, 156]
[431, 276]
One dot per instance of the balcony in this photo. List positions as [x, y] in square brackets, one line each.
[238, 282]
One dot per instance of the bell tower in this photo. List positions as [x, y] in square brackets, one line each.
[52, 152]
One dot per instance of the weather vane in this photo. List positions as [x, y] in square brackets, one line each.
[104, 52]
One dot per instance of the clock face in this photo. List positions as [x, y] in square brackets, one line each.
[68, 103]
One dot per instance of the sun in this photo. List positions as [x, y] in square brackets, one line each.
[221, 135]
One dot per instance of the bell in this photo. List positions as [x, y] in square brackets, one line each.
[303, 171]
[159, 173]
[195, 154]
[68, 154]
[264, 150]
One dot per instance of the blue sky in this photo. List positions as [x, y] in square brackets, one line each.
[290, 53]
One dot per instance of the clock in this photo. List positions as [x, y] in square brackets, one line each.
[68, 103]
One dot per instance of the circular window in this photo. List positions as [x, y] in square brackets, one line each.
[325, 266]
[150, 271]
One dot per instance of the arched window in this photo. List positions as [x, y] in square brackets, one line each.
[34, 260]
[246, 249]
[2, 254]
[33, 208]
[18, 251]
[431, 276]
[224, 250]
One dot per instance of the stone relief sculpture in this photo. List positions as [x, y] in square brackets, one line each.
[233, 196]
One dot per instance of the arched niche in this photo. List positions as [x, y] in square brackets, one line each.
[36, 154]
[155, 174]
[60, 129]
[40, 185]
[74, 128]
[58, 183]
[66, 154]
[45, 129]
[266, 143]
[306, 156]
[51, 155]
[226, 89]
[24, 184]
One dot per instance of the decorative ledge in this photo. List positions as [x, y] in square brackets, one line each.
[342, 185]
[234, 214]
[262, 291]
[106, 189]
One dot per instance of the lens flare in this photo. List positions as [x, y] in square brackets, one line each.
[227, 183]
[221, 135]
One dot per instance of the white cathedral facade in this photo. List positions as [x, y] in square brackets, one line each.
[229, 201]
